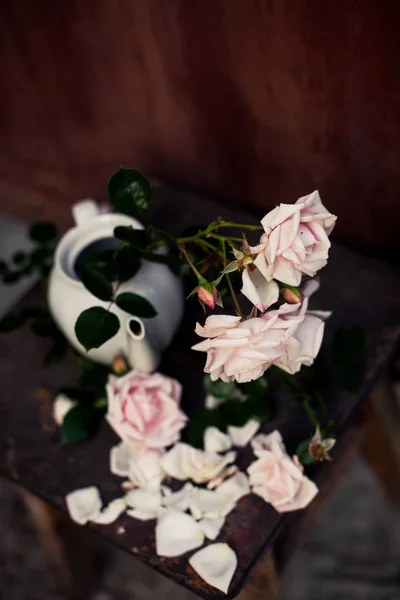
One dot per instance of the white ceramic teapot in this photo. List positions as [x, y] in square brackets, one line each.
[140, 340]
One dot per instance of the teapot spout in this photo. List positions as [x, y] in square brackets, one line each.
[141, 355]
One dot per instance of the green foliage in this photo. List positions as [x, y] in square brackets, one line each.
[349, 354]
[96, 282]
[42, 233]
[130, 192]
[303, 454]
[295, 289]
[80, 423]
[127, 263]
[240, 403]
[137, 237]
[95, 326]
[135, 305]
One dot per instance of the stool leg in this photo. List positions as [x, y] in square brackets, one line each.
[381, 444]
[263, 583]
[68, 547]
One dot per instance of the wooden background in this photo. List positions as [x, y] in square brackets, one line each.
[254, 100]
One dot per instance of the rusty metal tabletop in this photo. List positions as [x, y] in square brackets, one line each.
[359, 290]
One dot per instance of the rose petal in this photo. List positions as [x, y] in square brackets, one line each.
[84, 504]
[212, 402]
[234, 488]
[171, 462]
[177, 533]
[207, 504]
[145, 469]
[61, 406]
[258, 290]
[179, 500]
[110, 513]
[147, 500]
[241, 436]
[211, 527]
[216, 441]
[141, 515]
[306, 494]
[120, 456]
[216, 564]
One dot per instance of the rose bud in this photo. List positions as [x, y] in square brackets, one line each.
[290, 296]
[319, 447]
[207, 293]
[120, 365]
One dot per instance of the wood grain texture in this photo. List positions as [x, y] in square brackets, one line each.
[262, 100]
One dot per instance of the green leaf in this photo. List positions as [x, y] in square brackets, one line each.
[199, 423]
[41, 255]
[303, 454]
[42, 233]
[19, 257]
[80, 423]
[35, 312]
[136, 237]
[130, 192]
[44, 328]
[127, 263]
[256, 390]
[219, 388]
[11, 322]
[95, 326]
[96, 282]
[235, 412]
[135, 305]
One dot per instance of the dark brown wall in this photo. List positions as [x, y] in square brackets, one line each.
[262, 100]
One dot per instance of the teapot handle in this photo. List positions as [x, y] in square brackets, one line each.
[84, 210]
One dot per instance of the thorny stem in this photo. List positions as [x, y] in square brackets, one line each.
[235, 300]
[189, 261]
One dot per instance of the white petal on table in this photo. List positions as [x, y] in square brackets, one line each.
[179, 500]
[142, 515]
[120, 456]
[216, 564]
[241, 436]
[211, 527]
[171, 462]
[208, 504]
[177, 533]
[84, 504]
[110, 513]
[234, 488]
[216, 441]
[145, 500]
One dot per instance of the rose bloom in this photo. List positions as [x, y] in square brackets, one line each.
[243, 350]
[144, 409]
[295, 240]
[279, 479]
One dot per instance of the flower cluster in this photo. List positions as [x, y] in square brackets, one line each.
[294, 243]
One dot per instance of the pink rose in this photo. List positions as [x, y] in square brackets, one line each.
[243, 350]
[279, 479]
[303, 347]
[295, 240]
[144, 409]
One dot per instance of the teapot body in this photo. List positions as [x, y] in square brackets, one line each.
[67, 297]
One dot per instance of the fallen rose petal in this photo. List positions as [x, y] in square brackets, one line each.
[179, 500]
[177, 533]
[61, 405]
[208, 504]
[211, 527]
[145, 469]
[110, 513]
[120, 456]
[234, 488]
[241, 436]
[216, 564]
[142, 515]
[216, 441]
[171, 463]
[147, 500]
[186, 462]
[84, 504]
